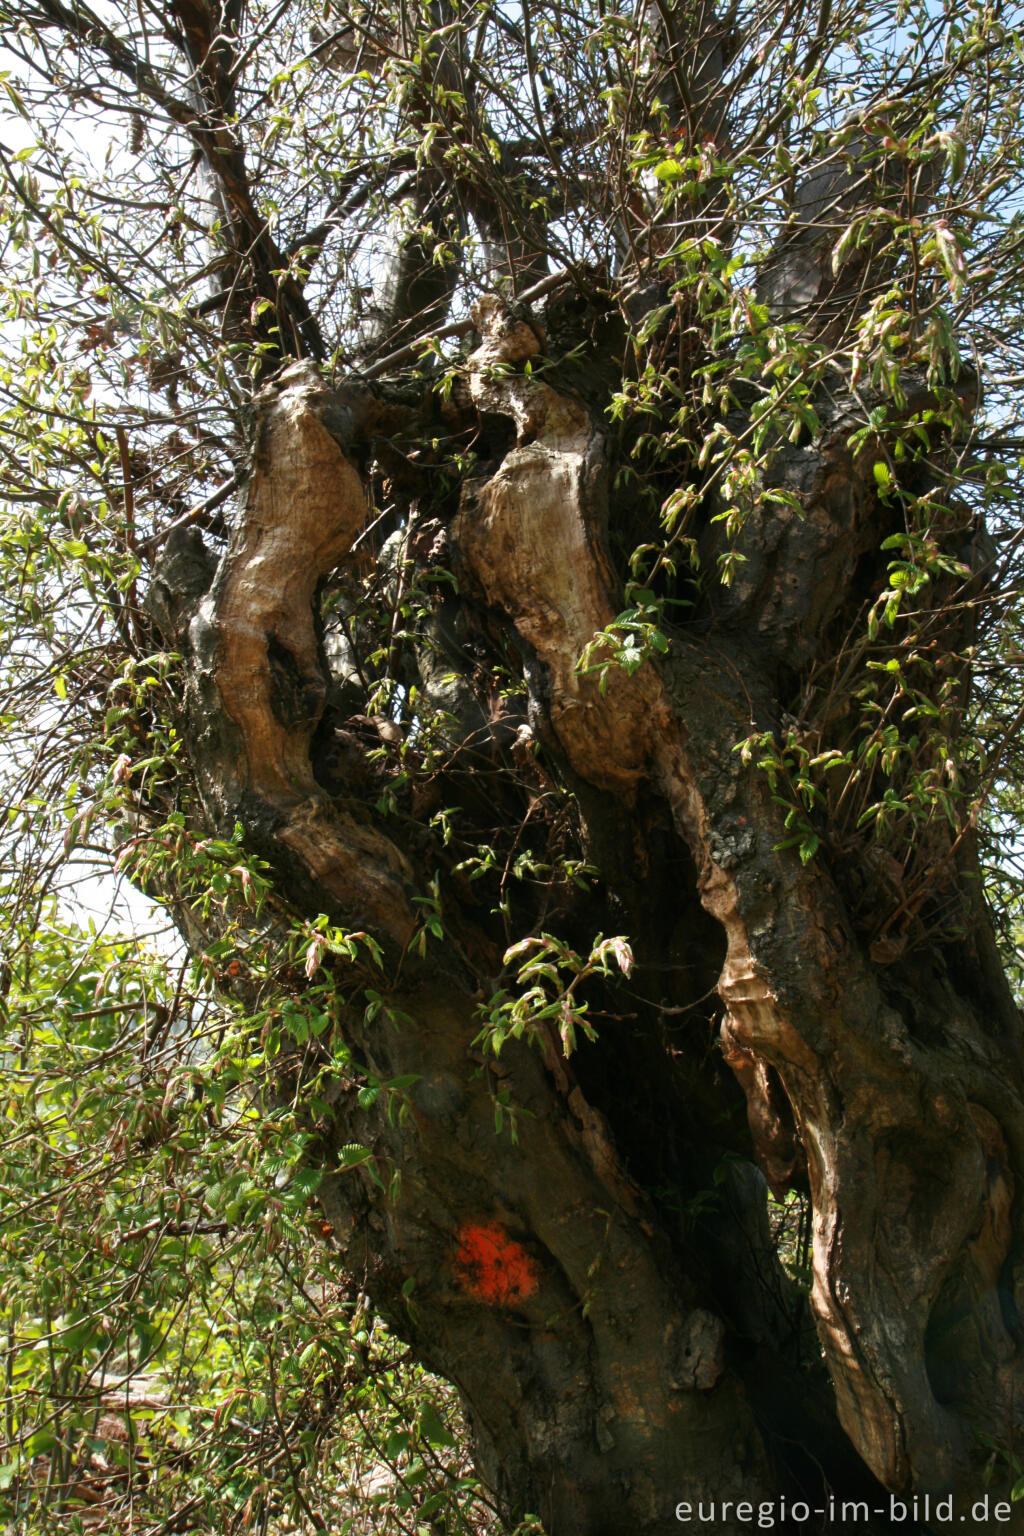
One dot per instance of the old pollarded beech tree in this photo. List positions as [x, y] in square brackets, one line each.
[549, 470]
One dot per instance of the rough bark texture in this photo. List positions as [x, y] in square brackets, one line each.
[614, 1355]
[400, 681]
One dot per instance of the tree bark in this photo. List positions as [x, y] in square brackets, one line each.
[612, 1340]
[610, 943]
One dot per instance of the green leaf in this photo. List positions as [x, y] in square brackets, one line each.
[432, 1428]
[406, 1080]
[306, 1182]
[16, 101]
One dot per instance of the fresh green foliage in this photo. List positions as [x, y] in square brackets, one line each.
[178, 1337]
[553, 979]
[180, 1342]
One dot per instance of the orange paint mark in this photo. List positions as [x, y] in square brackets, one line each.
[493, 1267]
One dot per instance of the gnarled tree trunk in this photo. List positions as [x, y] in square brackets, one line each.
[578, 1238]
[622, 1343]
[560, 685]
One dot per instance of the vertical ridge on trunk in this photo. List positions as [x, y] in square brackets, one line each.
[569, 718]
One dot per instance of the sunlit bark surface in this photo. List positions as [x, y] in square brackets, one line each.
[612, 1355]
